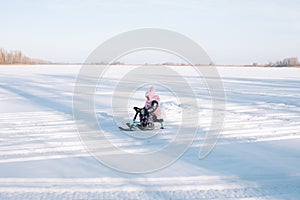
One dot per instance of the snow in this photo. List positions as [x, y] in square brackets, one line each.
[256, 157]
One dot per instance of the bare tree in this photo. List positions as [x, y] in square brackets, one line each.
[292, 61]
[17, 57]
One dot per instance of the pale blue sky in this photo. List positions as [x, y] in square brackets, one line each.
[236, 31]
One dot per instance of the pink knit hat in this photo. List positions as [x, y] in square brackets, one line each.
[151, 94]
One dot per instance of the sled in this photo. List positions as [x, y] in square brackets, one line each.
[138, 125]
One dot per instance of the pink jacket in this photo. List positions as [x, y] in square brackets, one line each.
[152, 96]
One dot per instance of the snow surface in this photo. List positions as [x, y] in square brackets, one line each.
[257, 155]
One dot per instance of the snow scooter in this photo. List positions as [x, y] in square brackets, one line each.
[146, 121]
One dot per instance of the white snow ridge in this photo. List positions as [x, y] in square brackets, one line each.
[256, 157]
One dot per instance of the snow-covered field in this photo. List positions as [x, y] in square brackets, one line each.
[257, 155]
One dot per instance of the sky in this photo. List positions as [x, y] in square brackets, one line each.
[230, 31]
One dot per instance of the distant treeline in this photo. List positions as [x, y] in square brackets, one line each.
[292, 61]
[17, 57]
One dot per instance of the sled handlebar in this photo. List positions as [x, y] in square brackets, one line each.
[137, 109]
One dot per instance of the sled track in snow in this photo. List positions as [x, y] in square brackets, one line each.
[156, 188]
[51, 135]
[34, 136]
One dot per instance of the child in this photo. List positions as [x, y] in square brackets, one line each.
[151, 111]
